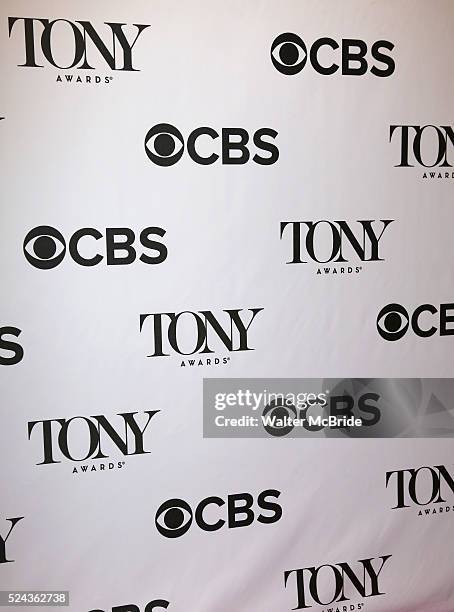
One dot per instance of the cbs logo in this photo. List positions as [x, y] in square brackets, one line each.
[278, 415]
[393, 321]
[45, 247]
[161, 604]
[175, 516]
[16, 350]
[165, 144]
[289, 55]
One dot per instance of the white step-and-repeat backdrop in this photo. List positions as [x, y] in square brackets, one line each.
[226, 190]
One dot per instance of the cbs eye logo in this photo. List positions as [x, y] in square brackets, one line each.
[289, 55]
[393, 321]
[279, 411]
[45, 247]
[175, 516]
[165, 145]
